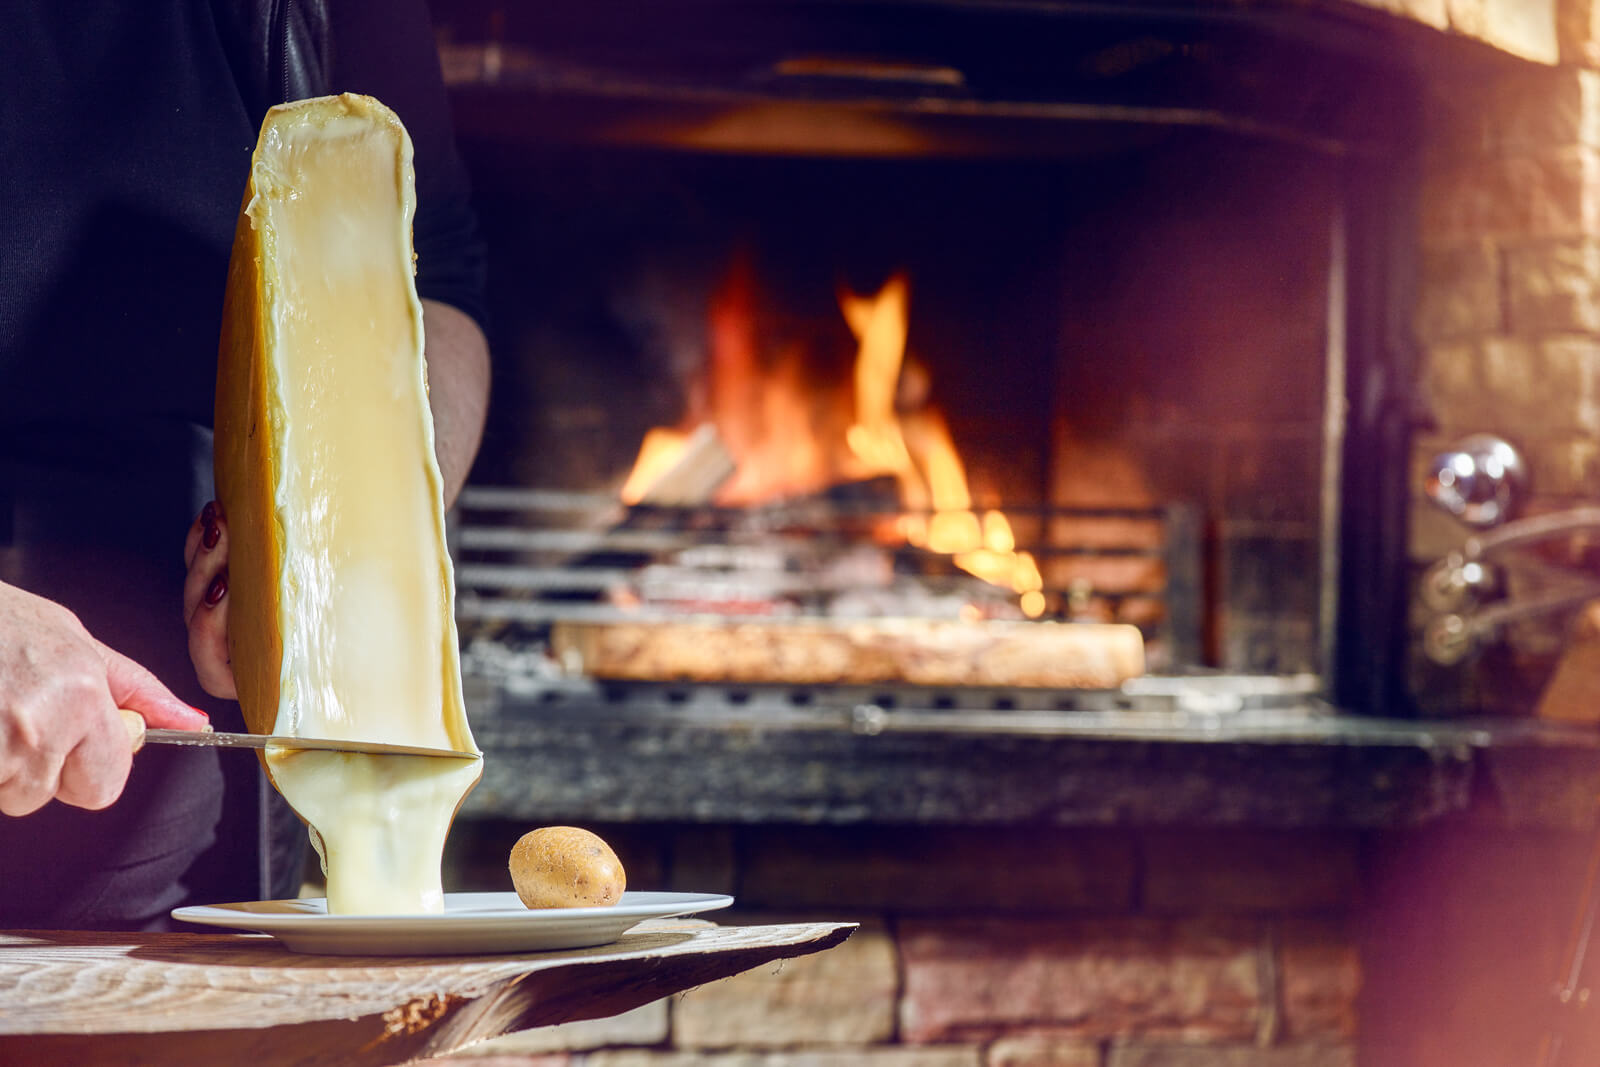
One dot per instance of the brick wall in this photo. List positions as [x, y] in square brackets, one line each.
[1508, 313]
[1431, 946]
[1508, 316]
[1012, 947]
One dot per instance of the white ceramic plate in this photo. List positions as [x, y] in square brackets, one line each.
[471, 924]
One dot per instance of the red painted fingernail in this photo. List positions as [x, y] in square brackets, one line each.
[212, 534]
[217, 590]
[208, 514]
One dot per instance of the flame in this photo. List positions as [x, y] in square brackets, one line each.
[780, 427]
[787, 438]
[880, 324]
[916, 447]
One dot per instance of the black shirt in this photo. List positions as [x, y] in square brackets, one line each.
[125, 142]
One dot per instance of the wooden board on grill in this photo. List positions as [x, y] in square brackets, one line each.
[860, 652]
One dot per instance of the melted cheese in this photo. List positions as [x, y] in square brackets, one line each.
[379, 823]
[341, 621]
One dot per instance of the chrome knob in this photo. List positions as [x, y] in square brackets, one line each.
[1455, 583]
[1448, 640]
[1480, 481]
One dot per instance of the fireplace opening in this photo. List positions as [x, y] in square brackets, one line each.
[805, 347]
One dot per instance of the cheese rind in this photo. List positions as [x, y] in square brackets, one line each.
[340, 619]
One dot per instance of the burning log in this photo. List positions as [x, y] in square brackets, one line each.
[698, 467]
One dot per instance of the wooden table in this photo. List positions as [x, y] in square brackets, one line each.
[180, 998]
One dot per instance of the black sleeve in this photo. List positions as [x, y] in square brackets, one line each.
[386, 49]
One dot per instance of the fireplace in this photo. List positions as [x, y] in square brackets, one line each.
[1147, 274]
[1194, 292]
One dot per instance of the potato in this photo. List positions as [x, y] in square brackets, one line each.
[566, 867]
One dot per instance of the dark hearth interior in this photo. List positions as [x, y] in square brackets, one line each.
[1128, 246]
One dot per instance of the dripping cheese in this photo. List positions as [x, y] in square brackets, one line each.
[340, 616]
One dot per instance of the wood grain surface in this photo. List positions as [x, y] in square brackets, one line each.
[929, 652]
[181, 998]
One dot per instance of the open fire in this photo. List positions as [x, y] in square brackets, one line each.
[775, 432]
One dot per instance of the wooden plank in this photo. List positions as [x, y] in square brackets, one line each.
[860, 652]
[178, 999]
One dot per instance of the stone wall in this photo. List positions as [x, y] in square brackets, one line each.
[1405, 946]
[1508, 310]
[1508, 314]
[1009, 947]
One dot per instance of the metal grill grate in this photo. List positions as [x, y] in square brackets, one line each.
[527, 558]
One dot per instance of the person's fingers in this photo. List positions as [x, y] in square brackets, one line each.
[21, 795]
[96, 770]
[208, 642]
[209, 558]
[191, 542]
[61, 735]
[203, 532]
[205, 613]
[132, 686]
[205, 606]
[205, 585]
[28, 782]
[39, 735]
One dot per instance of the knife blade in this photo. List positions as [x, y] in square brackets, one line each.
[217, 739]
[139, 734]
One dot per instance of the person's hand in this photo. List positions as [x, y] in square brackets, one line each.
[61, 736]
[205, 602]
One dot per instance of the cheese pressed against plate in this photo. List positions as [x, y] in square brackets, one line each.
[340, 614]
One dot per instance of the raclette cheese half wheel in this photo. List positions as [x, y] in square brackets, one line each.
[340, 585]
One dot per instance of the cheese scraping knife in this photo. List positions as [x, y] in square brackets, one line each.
[139, 734]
